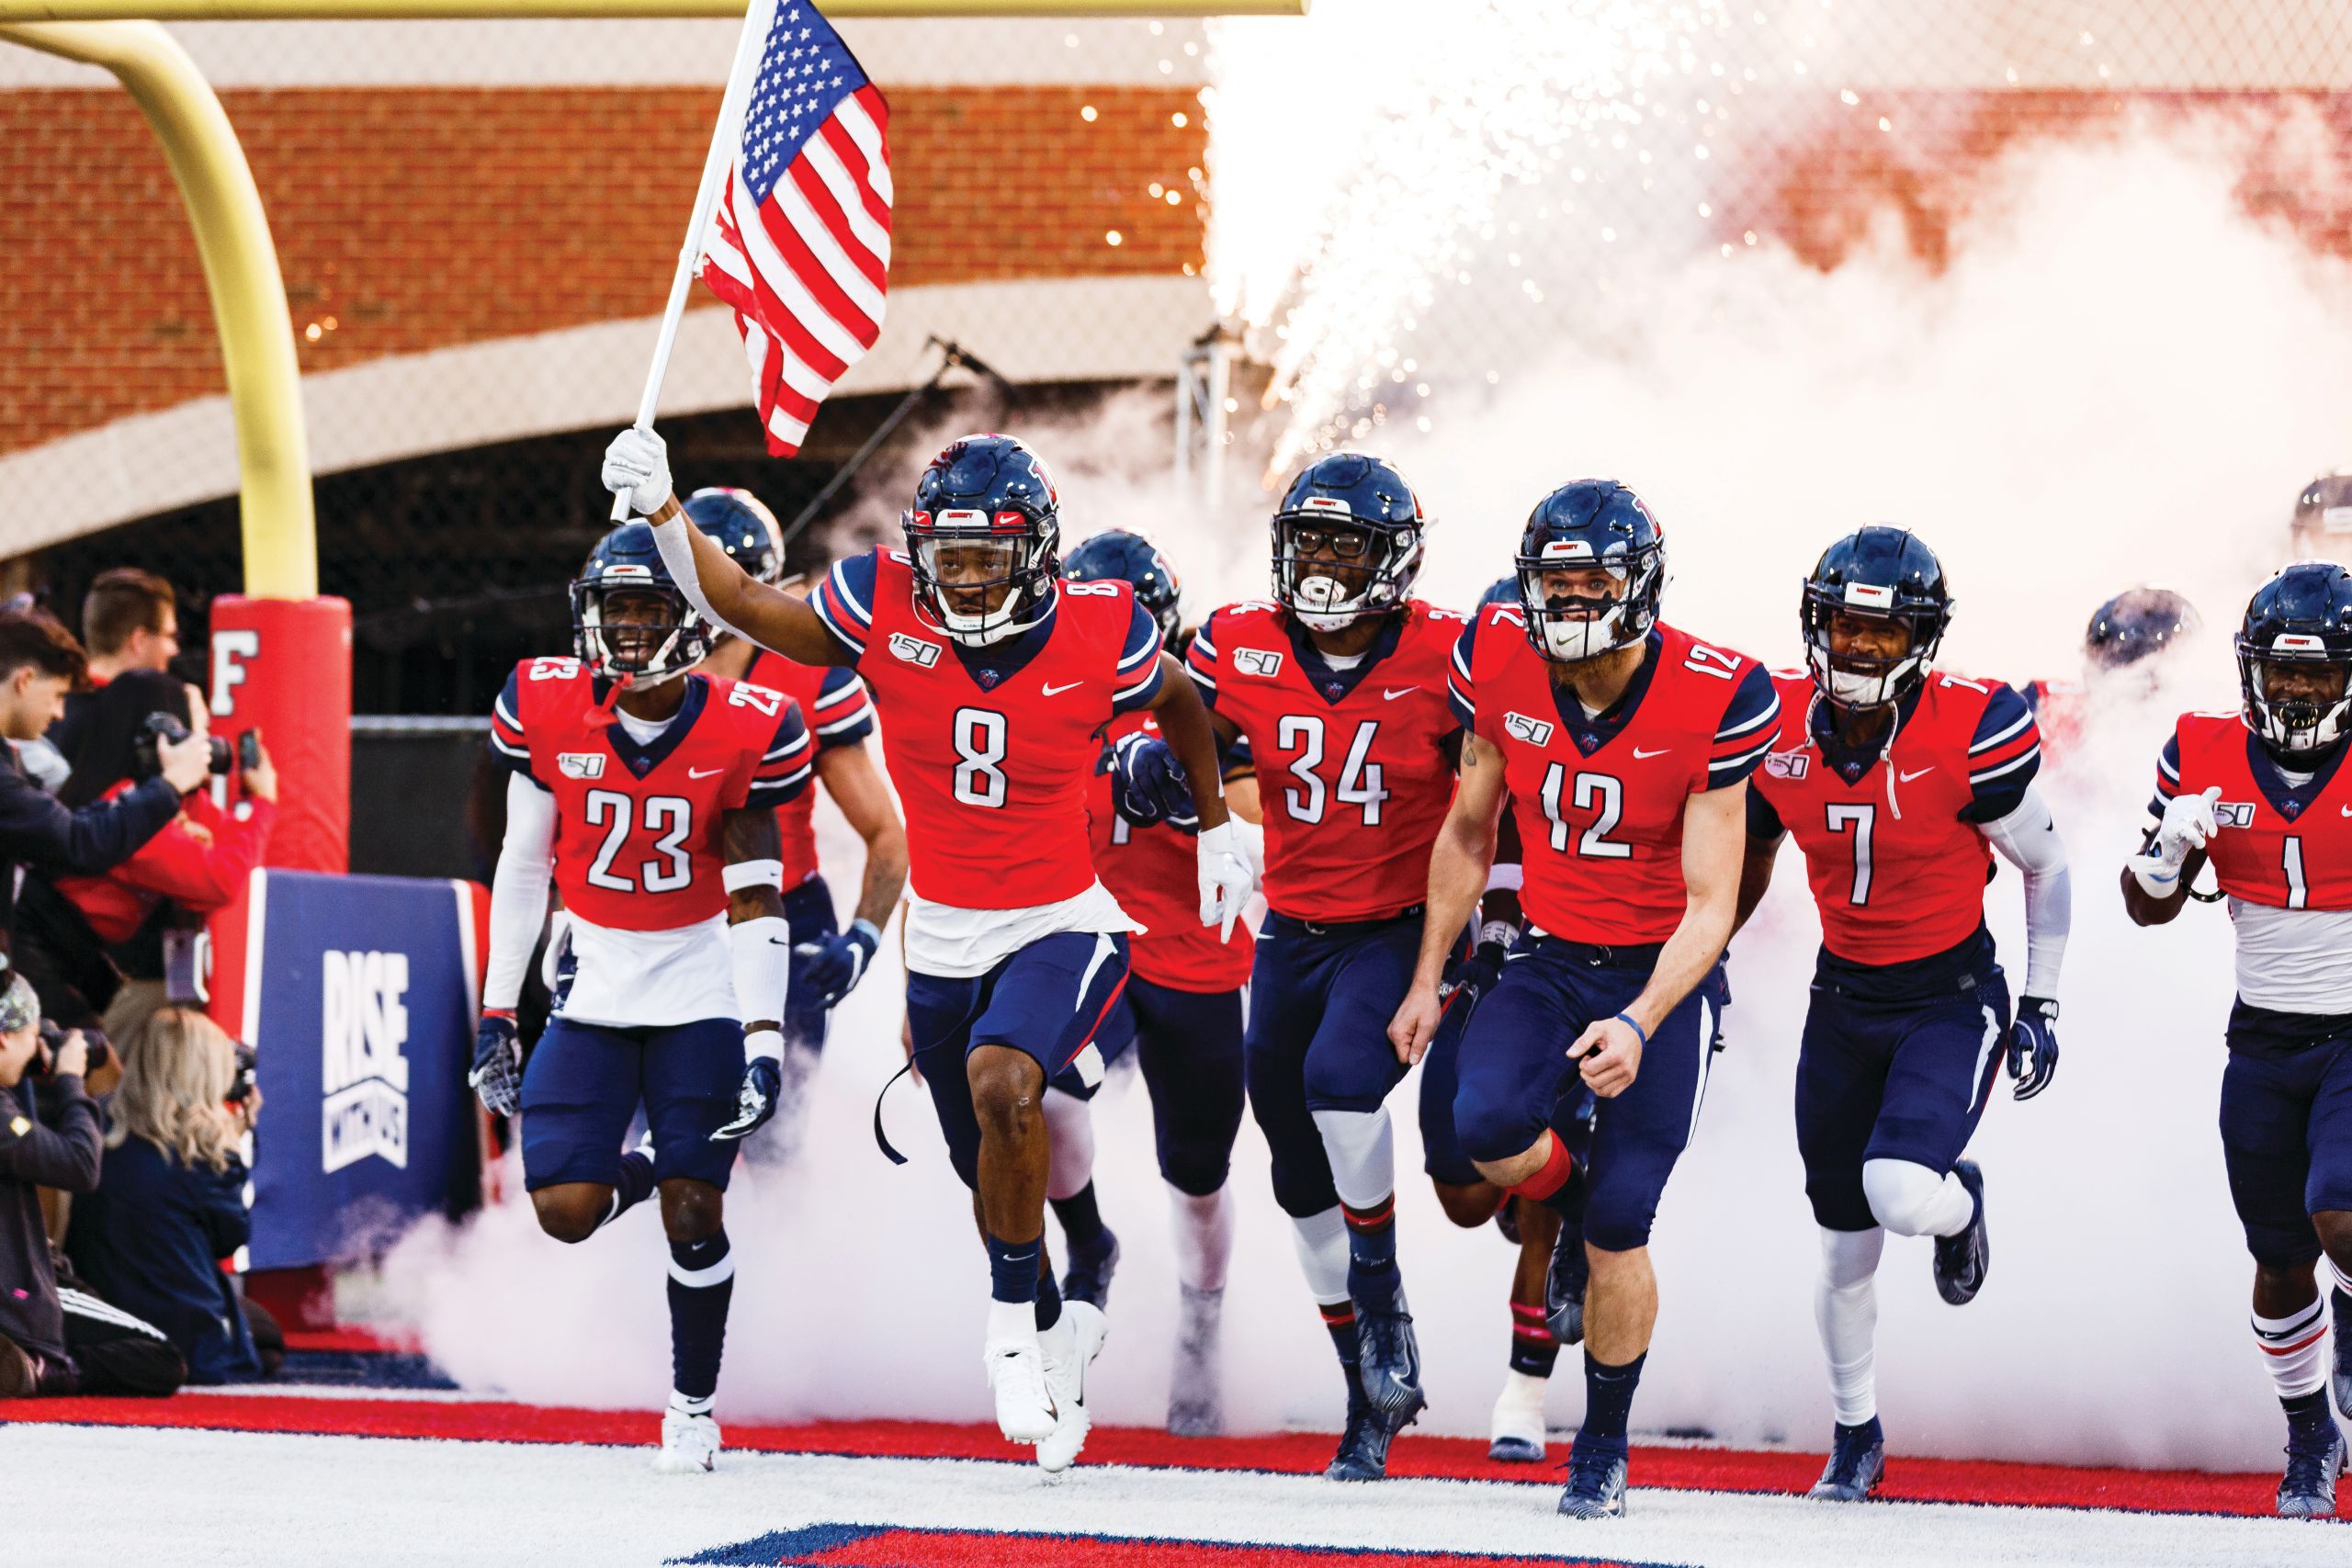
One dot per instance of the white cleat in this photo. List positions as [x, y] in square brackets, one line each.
[1517, 1435]
[689, 1445]
[1069, 1346]
[1024, 1411]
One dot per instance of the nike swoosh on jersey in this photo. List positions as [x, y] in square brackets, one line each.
[703, 773]
[1906, 776]
[1392, 696]
[1642, 756]
[2346, 810]
[1053, 690]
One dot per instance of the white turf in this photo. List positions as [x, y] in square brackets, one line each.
[165, 1498]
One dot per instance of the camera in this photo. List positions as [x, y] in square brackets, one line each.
[163, 728]
[240, 1088]
[52, 1037]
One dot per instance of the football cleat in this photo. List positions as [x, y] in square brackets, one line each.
[2340, 1304]
[1857, 1464]
[1025, 1410]
[1195, 1389]
[1090, 1268]
[1961, 1259]
[1363, 1445]
[689, 1445]
[1517, 1434]
[1596, 1488]
[1389, 1363]
[2308, 1491]
[1563, 1285]
[1069, 1349]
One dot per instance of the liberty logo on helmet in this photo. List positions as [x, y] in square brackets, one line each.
[1347, 541]
[982, 538]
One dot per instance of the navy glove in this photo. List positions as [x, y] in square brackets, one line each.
[1476, 975]
[497, 1076]
[1149, 785]
[755, 1102]
[832, 966]
[2033, 1045]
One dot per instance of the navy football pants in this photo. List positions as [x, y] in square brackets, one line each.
[2287, 1136]
[585, 1082]
[1188, 1045]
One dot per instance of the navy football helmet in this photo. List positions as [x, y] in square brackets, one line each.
[2322, 515]
[2298, 632]
[1347, 541]
[740, 524]
[2135, 624]
[1501, 591]
[1116, 556]
[1581, 525]
[983, 535]
[1879, 573]
[629, 620]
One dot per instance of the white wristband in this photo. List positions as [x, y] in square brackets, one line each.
[767, 1043]
[1506, 877]
[745, 873]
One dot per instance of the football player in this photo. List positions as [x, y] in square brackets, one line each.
[652, 792]
[1338, 687]
[2131, 631]
[2323, 518]
[997, 679]
[826, 962]
[1626, 744]
[2262, 795]
[1182, 1011]
[1899, 782]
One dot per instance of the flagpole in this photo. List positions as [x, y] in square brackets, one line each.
[758, 17]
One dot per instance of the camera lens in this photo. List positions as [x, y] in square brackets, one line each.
[222, 758]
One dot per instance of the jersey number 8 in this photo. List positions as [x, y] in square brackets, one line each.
[980, 742]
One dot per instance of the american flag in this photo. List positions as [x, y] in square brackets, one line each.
[799, 243]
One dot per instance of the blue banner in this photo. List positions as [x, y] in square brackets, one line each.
[360, 1004]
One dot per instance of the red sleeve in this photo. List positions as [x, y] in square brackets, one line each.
[203, 877]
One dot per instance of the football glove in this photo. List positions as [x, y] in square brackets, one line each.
[755, 1100]
[636, 465]
[1149, 785]
[2033, 1045]
[1225, 879]
[832, 966]
[497, 1074]
[2188, 824]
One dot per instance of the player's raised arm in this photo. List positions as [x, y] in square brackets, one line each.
[636, 465]
[1459, 861]
[1225, 879]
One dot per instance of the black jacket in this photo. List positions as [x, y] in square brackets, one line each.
[55, 1144]
[148, 1239]
[36, 830]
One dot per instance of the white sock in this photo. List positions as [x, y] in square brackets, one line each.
[1845, 1306]
[1204, 1237]
[1012, 1323]
[1322, 1243]
[1522, 1391]
[681, 1405]
[1362, 1147]
[1069, 1133]
[1911, 1200]
[2295, 1348]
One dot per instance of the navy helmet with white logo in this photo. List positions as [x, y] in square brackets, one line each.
[1879, 573]
[1582, 524]
[2300, 617]
[1117, 555]
[983, 536]
[1347, 541]
[2135, 625]
[642, 649]
[740, 524]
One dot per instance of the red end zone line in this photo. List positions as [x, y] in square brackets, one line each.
[1447, 1459]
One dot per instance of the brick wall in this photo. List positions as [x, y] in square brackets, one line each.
[411, 218]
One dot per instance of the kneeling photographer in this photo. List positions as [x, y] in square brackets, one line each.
[102, 947]
[53, 1340]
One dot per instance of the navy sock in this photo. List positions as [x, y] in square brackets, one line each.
[1049, 1300]
[1608, 1398]
[1373, 1279]
[633, 1186]
[1339, 1318]
[1013, 1270]
[702, 1283]
[1082, 1218]
[1870, 1429]
[2307, 1413]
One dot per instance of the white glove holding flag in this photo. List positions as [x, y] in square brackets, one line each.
[1226, 880]
[636, 465]
[2188, 824]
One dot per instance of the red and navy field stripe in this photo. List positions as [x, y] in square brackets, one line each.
[904, 1546]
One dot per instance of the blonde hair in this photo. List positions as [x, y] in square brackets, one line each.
[177, 1068]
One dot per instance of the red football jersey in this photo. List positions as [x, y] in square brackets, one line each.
[834, 705]
[638, 829]
[2291, 849]
[993, 765]
[1154, 873]
[1602, 829]
[1897, 870]
[1350, 768]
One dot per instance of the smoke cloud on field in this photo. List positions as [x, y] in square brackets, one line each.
[2117, 378]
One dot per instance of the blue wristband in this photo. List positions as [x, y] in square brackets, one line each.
[1627, 1019]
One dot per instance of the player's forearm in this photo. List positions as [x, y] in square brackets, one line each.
[518, 891]
[757, 936]
[1458, 864]
[886, 875]
[1185, 722]
[1688, 954]
[2028, 838]
[1755, 878]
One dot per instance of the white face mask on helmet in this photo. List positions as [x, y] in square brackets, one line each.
[1570, 638]
[1026, 583]
[1331, 596]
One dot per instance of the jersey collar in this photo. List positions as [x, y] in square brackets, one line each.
[1851, 762]
[993, 666]
[2291, 801]
[642, 760]
[1330, 684]
[1591, 734]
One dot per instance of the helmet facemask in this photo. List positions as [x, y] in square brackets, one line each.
[980, 586]
[1568, 627]
[637, 631]
[1864, 681]
[2310, 719]
[1330, 571]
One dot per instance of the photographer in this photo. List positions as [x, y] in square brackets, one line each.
[131, 621]
[171, 1203]
[80, 938]
[40, 663]
[53, 1342]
